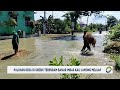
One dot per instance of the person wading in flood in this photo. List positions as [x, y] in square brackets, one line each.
[86, 44]
[15, 41]
[88, 40]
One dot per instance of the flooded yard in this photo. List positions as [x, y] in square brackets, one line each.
[45, 48]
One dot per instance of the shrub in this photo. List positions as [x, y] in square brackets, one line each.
[113, 47]
[73, 62]
[116, 57]
[114, 33]
[67, 29]
[55, 62]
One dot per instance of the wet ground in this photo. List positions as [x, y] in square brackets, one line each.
[40, 50]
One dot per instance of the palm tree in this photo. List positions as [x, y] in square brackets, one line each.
[74, 15]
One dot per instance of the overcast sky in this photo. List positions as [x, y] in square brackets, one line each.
[92, 19]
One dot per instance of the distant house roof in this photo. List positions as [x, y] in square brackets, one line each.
[82, 24]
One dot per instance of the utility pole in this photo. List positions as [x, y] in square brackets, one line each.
[44, 25]
[87, 20]
[52, 14]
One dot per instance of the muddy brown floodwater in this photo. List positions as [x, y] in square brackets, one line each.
[38, 51]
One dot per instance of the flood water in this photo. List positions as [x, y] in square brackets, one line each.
[45, 48]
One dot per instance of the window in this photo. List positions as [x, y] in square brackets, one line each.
[27, 19]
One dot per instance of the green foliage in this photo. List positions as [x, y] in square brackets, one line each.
[67, 29]
[54, 26]
[56, 63]
[58, 26]
[39, 25]
[114, 33]
[79, 29]
[70, 76]
[116, 57]
[11, 22]
[74, 15]
[95, 27]
[73, 62]
[31, 24]
[111, 21]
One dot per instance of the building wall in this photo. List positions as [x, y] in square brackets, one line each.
[20, 22]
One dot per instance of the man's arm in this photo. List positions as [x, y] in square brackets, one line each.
[17, 39]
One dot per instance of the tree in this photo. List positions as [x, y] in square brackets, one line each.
[39, 25]
[74, 15]
[111, 21]
[59, 26]
[50, 23]
[11, 22]
[119, 21]
[9, 25]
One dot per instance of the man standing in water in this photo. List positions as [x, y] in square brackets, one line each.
[15, 41]
[100, 30]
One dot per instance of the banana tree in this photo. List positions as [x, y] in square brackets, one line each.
[50, 23]
[11, 22]
[72, 17]
[32, 25]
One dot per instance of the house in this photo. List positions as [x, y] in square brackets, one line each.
[82, 24]
[22, 19]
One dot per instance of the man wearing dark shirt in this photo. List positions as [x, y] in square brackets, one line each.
[15, 41]
[86, 44]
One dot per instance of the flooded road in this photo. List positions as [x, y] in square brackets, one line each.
[45, 48]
